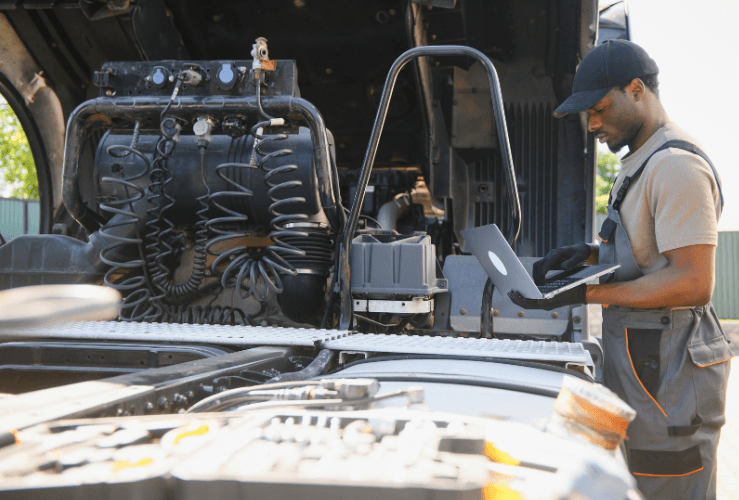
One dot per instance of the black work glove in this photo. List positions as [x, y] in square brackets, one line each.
[567, 298]
[562, 258]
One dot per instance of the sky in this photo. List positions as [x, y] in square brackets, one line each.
[696, 46]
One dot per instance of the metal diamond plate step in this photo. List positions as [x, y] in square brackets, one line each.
[164, 332]
[502, 349]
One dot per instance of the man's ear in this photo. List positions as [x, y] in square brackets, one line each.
[636, 89]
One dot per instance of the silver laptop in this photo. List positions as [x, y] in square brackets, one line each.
[508, 274]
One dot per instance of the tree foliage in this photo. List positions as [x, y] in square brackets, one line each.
[608, 167]
[17, 168]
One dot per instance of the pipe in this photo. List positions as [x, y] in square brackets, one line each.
[392, 211]
[315, 368]
[116, 112]
[369, 159]
[486, 318]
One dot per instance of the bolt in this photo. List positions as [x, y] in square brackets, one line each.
[171, 78]
[163, 403]
[496, 312]
[149, 406]
[576, 320]
[119, 412]
[520, 314]
[463, 311]
[179, 400]
[108, 92]
[207, 272]
[555, 315]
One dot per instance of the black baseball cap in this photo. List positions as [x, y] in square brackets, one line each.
[607, 65]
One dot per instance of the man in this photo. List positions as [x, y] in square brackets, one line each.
[664, 351]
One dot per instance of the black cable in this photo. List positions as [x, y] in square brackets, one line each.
[180, 79]
[259, 101]
[486, 318]
[271, 403]
[228, 395]
[378, 323]
[507, 385]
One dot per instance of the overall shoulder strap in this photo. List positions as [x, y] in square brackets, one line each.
[678, 144]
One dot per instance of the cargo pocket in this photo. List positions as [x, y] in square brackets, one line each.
[708, 345]
[709, 350]
[665, 463]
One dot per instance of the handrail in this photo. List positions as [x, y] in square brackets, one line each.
[369, 159]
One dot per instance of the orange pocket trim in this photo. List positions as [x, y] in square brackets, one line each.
[626, 336]
[715, 362]
[668, 475]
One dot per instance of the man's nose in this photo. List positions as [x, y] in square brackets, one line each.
[594, 123]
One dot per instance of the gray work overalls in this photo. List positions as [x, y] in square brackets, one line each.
[670, 366]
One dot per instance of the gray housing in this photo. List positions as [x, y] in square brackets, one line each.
[387, 266]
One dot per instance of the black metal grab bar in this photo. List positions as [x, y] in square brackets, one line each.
[369, 159]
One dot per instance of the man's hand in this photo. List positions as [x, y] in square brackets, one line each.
[563, 258]
[568, 297]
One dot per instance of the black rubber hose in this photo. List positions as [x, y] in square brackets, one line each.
[315, 368]
[486, 318]
[100, 112]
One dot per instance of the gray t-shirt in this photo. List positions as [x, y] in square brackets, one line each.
[674, 203]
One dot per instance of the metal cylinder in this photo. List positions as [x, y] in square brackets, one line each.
[188, 182]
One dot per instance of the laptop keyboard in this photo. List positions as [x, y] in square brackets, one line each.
[552, 285]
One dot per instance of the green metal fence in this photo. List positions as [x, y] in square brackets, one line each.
[18, 217]
[726, 294]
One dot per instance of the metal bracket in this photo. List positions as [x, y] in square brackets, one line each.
[349, 356]
[418, 305]
[29, 90]
[102, 78]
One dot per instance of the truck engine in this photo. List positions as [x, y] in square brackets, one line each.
[213, 197]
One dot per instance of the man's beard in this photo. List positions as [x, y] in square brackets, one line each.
[616, 146]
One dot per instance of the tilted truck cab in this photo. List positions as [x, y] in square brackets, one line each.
[277, 191]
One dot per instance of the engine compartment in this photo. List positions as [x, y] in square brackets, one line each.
[213, 197]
